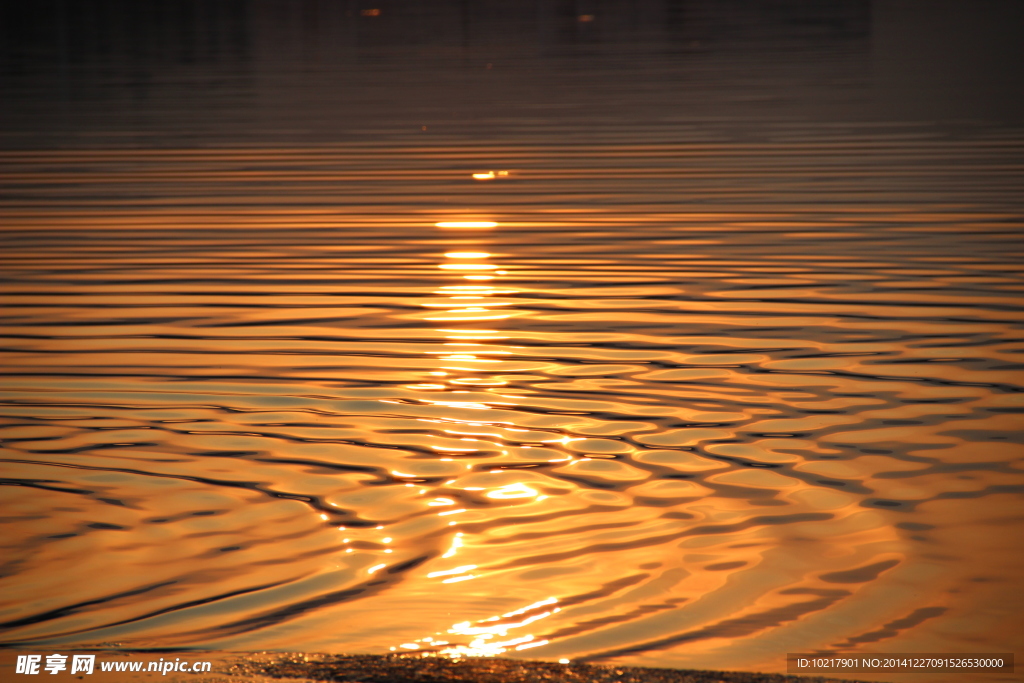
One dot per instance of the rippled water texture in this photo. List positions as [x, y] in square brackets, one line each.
[667, 403]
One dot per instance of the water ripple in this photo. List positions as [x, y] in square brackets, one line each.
[670, 408]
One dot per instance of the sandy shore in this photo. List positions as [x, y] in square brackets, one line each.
[388, 669]
[276, 667]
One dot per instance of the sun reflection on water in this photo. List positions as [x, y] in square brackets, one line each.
[466, 224]
[473, 358]
[483, 631]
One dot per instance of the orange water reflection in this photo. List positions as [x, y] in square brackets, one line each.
[490, 636]
[623, 433]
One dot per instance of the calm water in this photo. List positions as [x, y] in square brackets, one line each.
[734, 373]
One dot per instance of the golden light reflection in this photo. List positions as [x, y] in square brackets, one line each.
[456, 544]
[466, 224]
[450, 572]
[513, 491]
[484, 631]
[473, 334]
[456, 579]
[490, 175]
[467, 365]
[469, 303]
[470, 318]
[467, 266]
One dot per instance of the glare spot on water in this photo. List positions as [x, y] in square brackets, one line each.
[512, 491]
[466, 224]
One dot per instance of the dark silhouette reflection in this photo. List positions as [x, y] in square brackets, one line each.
[104, 71]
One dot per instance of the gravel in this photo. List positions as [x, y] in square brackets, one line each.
[414, 669]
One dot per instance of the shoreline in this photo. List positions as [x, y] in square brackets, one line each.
[298, 667]
[412, 669]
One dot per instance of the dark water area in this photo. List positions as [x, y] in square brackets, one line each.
[97, 73]
[672, 334]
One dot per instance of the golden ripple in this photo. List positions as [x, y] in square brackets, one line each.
[291, 419]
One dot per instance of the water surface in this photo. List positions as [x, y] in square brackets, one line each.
[655, 391]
